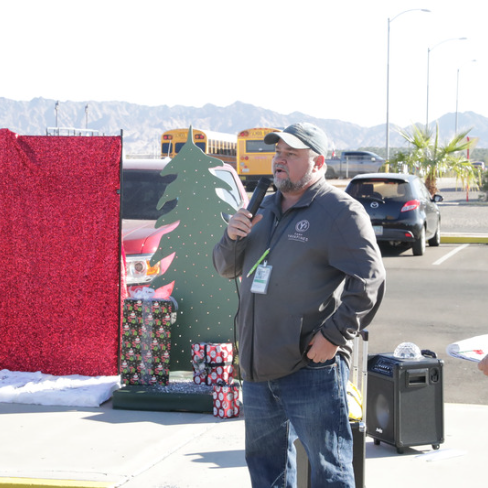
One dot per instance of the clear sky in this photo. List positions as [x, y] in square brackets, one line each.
[321, 57]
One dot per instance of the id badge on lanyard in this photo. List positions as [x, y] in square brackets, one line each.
[261, 279]
[262, 271]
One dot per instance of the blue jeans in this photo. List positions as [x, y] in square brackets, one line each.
[310, 404]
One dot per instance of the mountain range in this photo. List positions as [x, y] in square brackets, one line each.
[143, 125]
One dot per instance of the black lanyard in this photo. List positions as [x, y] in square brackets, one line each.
[270, 247]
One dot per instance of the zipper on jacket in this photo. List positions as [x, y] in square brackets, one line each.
[251, 369]
[273, 229]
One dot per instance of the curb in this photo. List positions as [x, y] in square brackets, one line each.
[464, 239]
[47, 483]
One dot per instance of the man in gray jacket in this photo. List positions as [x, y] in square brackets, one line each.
[312, 277]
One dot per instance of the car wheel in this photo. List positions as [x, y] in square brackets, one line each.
[418, 246]
[436, 239]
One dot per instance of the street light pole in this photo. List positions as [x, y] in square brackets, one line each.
[457, 94]
[56, 108]
[428, 74]
[388, 79]
[86, 116]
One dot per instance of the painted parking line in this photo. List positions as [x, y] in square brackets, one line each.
[46, 483]
[450, 254]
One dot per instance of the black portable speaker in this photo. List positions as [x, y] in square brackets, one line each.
[405, 401]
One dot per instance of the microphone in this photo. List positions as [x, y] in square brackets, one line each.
[259, 194]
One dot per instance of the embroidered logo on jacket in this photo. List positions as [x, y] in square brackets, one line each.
[300, 228]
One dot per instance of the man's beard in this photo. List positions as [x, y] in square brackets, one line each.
[287, 186]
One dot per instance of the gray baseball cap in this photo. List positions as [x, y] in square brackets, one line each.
[301, 136]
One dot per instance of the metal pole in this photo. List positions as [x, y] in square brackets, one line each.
[388, 96]
[457, 95]
[388, 79]
[428, 74]
[427, 112]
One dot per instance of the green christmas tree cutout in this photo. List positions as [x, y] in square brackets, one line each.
[206, 302]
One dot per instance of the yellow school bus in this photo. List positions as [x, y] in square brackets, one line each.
[216, 144]
[253, 155]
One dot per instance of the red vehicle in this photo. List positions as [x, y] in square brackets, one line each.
[142, 187]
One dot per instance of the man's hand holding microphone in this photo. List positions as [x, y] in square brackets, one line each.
[241, 223]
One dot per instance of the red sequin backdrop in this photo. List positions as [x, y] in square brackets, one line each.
[59, 254]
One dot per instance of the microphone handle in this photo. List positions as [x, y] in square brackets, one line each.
[259, 194]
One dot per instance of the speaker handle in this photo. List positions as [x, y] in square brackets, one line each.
[428, 354]
[364, 334]
[416, 378]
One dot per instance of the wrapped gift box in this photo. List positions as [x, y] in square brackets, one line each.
[212, 363]
[226, 402]
[146, 341]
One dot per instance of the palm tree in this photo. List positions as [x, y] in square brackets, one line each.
[469, 176]
[434, 158]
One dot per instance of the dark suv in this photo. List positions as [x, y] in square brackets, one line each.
[400, 207]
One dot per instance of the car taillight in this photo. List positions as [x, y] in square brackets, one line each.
[411, 205]
[139, 270]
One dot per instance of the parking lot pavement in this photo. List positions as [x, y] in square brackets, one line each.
[464, 218]
[104, 447]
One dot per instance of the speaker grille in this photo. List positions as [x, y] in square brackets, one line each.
[380, 411]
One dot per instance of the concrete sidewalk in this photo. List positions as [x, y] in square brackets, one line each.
[106, 447]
